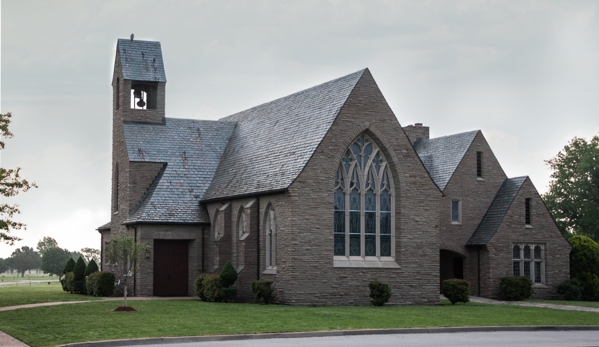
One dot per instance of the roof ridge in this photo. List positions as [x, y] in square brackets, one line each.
[451, 135]
[361, 72]
[487, 235]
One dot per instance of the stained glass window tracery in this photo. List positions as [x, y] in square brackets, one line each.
[363, 203]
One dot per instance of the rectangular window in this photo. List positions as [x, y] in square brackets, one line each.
[456, 211]
[479, 164]
[527, 219]
[528, 260]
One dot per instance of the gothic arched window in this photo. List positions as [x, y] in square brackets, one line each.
[364, 203]
[271, 239]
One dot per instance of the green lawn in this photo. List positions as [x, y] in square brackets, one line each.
[49, 326]
[11, 295]
[594, 304]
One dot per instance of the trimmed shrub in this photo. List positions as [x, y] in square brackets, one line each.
[79, 272]
[208, 287]
[379, 293]
[570, 289]
[69, 280]
[515, 288]
[228, 294]
[198, 285]
[456, 290]
[589, 286]
[263, 290]
[91, 268]
[229, 275]
[90, 283]
[63, 283]
[69, 266]
[104, 283]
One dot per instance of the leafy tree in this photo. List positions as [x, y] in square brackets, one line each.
[53, 260]
[3, 266]
[25, 258]
[11, 184]
[573, 196]
[90, 254]
[46, 243]
[125, 257]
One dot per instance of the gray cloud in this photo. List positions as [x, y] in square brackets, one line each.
[524, 72]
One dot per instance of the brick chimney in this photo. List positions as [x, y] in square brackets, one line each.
[416, 132]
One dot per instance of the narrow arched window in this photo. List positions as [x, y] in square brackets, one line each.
[241, 223]
[271, 239]
[363, 203]
[116, 189]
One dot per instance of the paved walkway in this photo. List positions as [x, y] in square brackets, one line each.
[9, 341]
[534, 304]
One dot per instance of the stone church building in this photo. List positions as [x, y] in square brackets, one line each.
[321, 191]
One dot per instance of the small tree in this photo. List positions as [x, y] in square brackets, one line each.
[53, 261]
[11, 184]
[125, 257]
[45, 244]
[91, 254]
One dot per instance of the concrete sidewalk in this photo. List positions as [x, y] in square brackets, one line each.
[134, 298]
[533, 304]
[9, 341]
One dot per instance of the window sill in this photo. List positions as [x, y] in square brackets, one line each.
[243, 237]
[239, 269]
[480, 179]
[528, 226]
[456, 223]
[218, 237]
[270, 271]
[539, 285]
[386, 262]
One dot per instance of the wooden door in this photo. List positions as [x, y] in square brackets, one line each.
[170, 267]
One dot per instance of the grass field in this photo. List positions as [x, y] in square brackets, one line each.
[49, 326]
[12, 295]
[14, 277]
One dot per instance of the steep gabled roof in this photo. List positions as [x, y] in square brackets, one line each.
[273, 142]
[442, 155]
[497, 211]
[141, 60]
[191, 150]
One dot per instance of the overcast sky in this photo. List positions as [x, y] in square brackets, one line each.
[524, 72]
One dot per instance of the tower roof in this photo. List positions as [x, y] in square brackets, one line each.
[141, 60]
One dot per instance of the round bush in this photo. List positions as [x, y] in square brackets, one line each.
[515, 288]
[263, 290]
[456, 290]
[379, 293]
[104, 285]
[570, 289]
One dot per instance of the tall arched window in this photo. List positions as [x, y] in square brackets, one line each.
[271, 239]
[363, 203]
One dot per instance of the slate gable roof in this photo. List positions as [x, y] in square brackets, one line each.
[105, 226]
[141, 60]
[191, 150]
[273, 142]
[496, 212]
[442, 155]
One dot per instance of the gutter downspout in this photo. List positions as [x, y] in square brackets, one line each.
[258, 241]
[203, 248]
[478, 255]
[135, 266]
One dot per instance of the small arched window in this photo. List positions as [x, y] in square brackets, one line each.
[241, 223]
[116, 189]
[217, 231]
[271, 239]
[364, 203]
